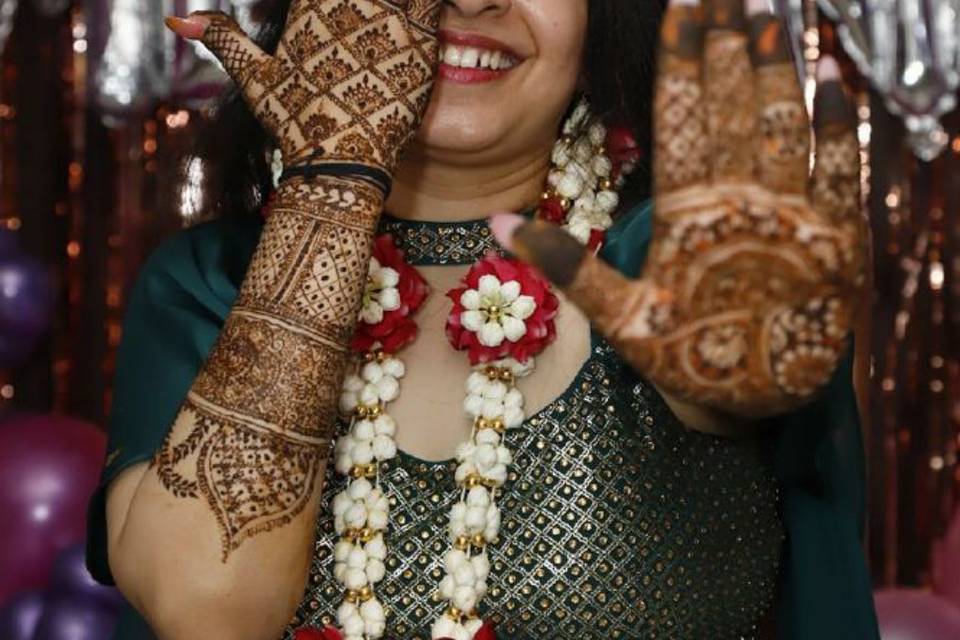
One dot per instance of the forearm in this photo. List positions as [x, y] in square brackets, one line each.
[226, 511]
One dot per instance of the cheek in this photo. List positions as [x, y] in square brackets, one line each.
[558, 27]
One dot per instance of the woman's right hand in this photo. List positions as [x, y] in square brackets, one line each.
[349, 81]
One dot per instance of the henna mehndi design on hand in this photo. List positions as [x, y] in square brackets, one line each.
[754, 271]
[349, 83]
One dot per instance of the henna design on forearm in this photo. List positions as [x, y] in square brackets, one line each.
[348, 84]
[257, 424]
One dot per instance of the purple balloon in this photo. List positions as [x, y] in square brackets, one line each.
[75, 618]
[915, 614]
[26, 303]
[18, 620]
[49, 466]
[70, 577]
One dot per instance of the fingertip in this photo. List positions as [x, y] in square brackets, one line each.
[503, 226]
[192, 27]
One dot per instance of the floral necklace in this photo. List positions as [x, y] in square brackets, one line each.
[503, 316]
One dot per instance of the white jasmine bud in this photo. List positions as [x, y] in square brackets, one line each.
[372, 371]
[473, 405]
[375, 570]
[388, 389]
[465, 598]
[478, 497]
[355, 578]
[357, 558]
[384, 448]
[570, 186]
[363, 430]
[394, 367]
[389, 299]
[385, 425]
[362, 453]
[359, 489]
[376, 548]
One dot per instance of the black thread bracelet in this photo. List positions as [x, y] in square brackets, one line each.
[371, 175]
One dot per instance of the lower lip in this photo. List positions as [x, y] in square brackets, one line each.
[463, 75]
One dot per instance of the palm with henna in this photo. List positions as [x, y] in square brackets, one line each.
[748, 293]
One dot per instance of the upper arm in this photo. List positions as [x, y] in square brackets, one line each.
[120, 493]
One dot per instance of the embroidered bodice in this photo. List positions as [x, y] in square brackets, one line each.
[617, 521]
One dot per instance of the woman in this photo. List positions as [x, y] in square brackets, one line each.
[577, 499]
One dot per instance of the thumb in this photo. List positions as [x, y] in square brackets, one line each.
[626, 312]
[224, 38]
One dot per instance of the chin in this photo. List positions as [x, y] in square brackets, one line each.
[454, 126]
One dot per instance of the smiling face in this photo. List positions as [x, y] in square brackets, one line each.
[509, 71]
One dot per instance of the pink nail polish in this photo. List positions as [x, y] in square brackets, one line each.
[191, 27]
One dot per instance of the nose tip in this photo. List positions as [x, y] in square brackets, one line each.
[477, 7]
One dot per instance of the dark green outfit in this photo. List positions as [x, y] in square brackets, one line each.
[618, 521]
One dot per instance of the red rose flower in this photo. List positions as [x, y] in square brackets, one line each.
[596, 239]
[622, 149]
[540, 328]
[397, 328]
[486, 632]
[312, 633]
[551, 210]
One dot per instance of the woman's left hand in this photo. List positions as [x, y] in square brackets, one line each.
[748, 294]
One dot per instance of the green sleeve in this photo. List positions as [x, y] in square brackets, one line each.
[824, 591]
[175, 311]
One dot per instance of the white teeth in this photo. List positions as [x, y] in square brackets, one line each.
[469, 58]
[451, 56]
[472, 58]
